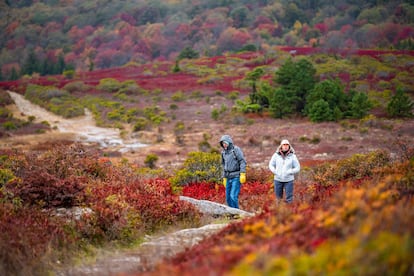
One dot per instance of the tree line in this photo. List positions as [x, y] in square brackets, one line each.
[295, 90]
[42, 66]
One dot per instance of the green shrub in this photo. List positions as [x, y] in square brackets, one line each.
[150, 160]
[9, 125]
[116, 114]
[360, 105]
[129, 87]
[69, 74]
[56, 100]
[5, 113]
[248, 107]
[400, 105]
[198, 167]
[178, 96]
[141, 124]
[179, 132]
[313, 140]
[355, 167]
[154, 114]
[320, 111]
[5, 176]
[76, 86]
[196, 94]
[109, 85]
[234, 95]
[215, 114]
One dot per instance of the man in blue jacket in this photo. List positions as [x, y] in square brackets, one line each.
[234, 170]
[284, 165]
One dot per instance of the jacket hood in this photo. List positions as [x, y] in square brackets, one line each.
[279, 148]
[226, 138]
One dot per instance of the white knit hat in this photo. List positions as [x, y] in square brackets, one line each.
[284, 142]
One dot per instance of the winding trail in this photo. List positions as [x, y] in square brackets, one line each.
[84, 128]
[144, 258]
[155, 249]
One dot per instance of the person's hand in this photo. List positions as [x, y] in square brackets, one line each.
[224, 182]
[242, 178]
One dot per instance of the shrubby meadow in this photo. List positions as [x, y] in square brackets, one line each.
[62, 201]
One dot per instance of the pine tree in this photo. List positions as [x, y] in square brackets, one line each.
[400, 105]
[320, 111]
[281, 103]
[189, 53]
[360, 105]
[32, 64]
[14, 75]
[299, 79]
[253, 77]
[330, 91]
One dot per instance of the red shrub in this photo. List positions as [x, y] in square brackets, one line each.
[27, 234]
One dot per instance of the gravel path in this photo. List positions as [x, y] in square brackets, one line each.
[146, 256]
[155, 249]
[84, 128]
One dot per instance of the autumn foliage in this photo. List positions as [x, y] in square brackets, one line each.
[362, 221]
[355, 212]
[66, 198]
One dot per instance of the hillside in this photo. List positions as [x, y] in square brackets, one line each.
[49, 37]
[183, 105]
[353, 196]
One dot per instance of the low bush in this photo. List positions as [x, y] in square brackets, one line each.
[117, 206]
[109, 85]
[55, 100]
[357, 166]
[198, 167]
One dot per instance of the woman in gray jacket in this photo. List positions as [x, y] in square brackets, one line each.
[284, 165]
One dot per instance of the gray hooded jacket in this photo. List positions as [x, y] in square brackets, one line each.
[232, 159]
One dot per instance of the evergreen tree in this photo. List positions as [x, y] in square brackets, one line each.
[281, 103]
[240, 16]
[320, 111]
[360, 105]
[330, 91]
[337, 114]
[253, 77]
[14, 75]
[60, 65]
[248, 48]
[400, 105]
[32, 64]
[176, 68]
[91, 65]
[46, 68]
[298, 78]
[189, 53]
